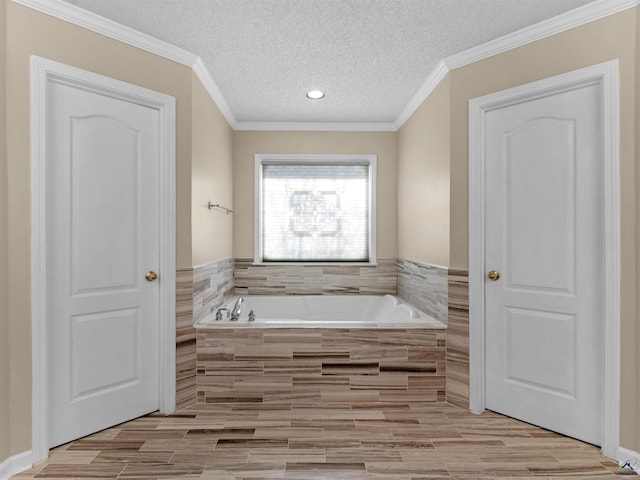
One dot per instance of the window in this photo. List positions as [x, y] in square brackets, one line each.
[315, 208]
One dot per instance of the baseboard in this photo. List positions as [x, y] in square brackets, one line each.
[626, 455]
[16, 464]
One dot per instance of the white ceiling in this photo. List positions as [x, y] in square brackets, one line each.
[369, 56]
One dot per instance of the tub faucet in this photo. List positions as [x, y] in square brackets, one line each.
[219, 313]
[235, 313]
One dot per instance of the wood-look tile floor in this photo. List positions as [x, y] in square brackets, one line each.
[327, 441]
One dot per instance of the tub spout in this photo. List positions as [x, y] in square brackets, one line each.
[235, 313]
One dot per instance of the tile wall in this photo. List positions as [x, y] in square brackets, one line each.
[198, 290]
[185, 339]
[424, 286]
[202, 288]
[212, 283]
[458, 339]
[309, 366]
[315, 279]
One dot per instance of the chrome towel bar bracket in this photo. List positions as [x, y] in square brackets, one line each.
[217, 205]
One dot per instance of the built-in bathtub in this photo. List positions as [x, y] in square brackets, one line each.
[321, 311]
[321, 351]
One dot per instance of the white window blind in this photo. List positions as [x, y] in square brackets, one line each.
[315, 211]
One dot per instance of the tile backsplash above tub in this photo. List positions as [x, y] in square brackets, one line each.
[307, 279]
[424, 286]
[420, 284]
[212, 284]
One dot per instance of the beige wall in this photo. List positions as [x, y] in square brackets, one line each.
[596, 42]
[4, 320]
[203, 133]
[211, 179]
[247, 144]
[606, 39]
[32, 33]
[423, 181]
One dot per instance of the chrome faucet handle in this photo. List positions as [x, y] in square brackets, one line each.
[219, 313]
[252, 315]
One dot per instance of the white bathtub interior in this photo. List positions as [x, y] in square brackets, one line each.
[323, 311]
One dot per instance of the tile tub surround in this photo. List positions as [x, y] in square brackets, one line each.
[425, 286]
[315, 279]
[185, 339]
[198, 290]
[318, 366]
[212, 284]
[458, 339]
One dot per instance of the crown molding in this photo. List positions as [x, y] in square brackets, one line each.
[552, 26]
[202, 72]
[432, 81]
[566, 21]
[83, 18]
[91, 21]
[317, 126]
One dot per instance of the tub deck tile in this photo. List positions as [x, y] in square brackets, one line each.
[260, 381]
[299, 395]
[399, 353]
[412, 368]
[353, 366]
[267, 351]
[234, 397]
[350, 338]
[379, 382]
[322, 353]
[293, 367]
[351, 395]
[326, 382]
[288, 337]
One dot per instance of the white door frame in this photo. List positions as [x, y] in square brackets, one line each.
[43, 72]
[606, 74]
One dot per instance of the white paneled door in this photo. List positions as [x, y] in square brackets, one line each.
[102, 184]
[544, 259]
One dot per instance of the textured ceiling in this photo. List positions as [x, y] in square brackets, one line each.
[369, 56]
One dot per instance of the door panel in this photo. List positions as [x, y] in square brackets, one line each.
[541, 177]
[545, 235]
[102, 229]
[119, 334]
[104, 152]
[546, 340]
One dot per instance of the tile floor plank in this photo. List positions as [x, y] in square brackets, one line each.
[324, 441]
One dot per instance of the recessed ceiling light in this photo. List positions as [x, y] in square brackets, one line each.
[315, 94]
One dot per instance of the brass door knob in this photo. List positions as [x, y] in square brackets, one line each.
[493, 275]
[150, 276]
